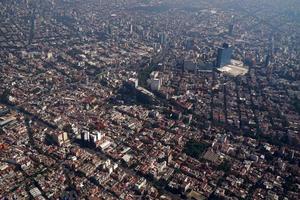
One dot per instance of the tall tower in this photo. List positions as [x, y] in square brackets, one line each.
[230, 29]
[224, 55]
[162, 38]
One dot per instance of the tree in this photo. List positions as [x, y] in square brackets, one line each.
[224, 166]
[194, 148]
[4, 97]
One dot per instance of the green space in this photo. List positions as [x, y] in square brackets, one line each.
[225, 166]
[195, 149]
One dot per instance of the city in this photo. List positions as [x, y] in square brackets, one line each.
[149, 99]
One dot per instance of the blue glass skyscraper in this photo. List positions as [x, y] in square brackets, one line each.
[224, 55]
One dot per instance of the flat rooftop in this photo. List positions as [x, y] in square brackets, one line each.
[235, 68]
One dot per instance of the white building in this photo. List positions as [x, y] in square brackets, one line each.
[155, 81]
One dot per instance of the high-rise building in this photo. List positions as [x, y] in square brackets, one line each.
[155, 81]
[59, 138]
[224, 55]
[189, 43]
[230, 29]
[267, 61]
[130, 28]
[163, 38]
[91, 138]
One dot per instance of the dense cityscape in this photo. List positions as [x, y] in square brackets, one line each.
[150, 99]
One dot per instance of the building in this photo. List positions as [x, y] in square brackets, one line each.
[60, 137]
[91, 137]
[133, 82]
[155, 84]
[189, 44]
[224, 55]
[234, 68]
[7, 120]
[163, 38]
[230, 29]
[96, 136]
[190, 65]
[155, 81]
